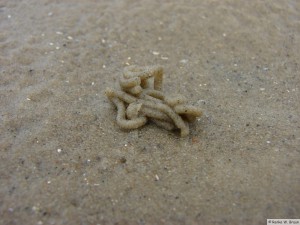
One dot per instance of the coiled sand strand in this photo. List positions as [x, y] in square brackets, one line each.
[141, 99]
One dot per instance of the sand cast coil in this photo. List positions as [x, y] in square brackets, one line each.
[141, 99]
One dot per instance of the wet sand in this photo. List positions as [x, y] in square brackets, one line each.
[64, 160]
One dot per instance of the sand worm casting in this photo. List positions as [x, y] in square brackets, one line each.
[139, 99]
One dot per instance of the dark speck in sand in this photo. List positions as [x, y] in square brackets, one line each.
[123, 160]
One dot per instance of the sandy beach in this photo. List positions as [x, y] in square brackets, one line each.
[63, 158]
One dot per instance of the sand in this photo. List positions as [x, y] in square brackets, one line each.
[64, 160]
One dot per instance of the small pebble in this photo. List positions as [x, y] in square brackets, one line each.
[155, 53]
[59, 150]
[34, 208]
[8, 16]
[184, 61]
[70, 38]
[156, 177]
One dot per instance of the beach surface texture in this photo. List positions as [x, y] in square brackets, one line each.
[65, 160]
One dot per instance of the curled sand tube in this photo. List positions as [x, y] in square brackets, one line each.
[121, 119]
[141, 99]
